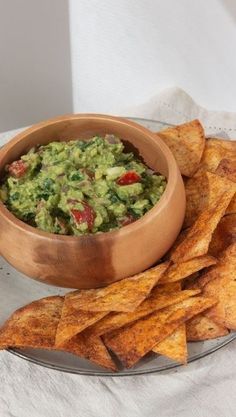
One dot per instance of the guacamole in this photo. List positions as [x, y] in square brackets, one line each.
[80, 187]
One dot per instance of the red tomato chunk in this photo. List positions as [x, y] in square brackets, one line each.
[129, 177]
[85, 216]
[17, 168]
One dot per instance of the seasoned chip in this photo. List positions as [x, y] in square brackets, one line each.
[91, 348]
[216, 150]
[224, 268]
[224, 235]
[159, 298]
[124, 295]
[74, 321]
[220, 282]
[180, 238]
[177, 272]
[174, 346]
[33, 325]
[202, 327]
[187, 142]
[202, 191]
[227, 168]
[232, 206]
[199, 235]
[132, 342]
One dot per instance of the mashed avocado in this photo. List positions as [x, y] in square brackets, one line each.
[80, 187]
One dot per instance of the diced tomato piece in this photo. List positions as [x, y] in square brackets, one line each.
[127, 220]
[84, 216]
[129, 177]
[17, 168]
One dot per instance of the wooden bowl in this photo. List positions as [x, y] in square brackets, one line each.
[94, 260]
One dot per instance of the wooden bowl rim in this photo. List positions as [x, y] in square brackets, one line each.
[133, 227]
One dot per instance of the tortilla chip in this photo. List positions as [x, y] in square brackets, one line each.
[132, 342]
[177, 272]
[199, 235]
[187, 142]
[159, 298]
[180, 238]
[34, 325]
[202, 191]
[220, 282]
[232, 206]
[89, 347]
[224, 267]
[224, 235]
[202, 327]
[227, 168]
[74, 321]
[124, 295]
[188, 282]
[216, 150]
[174, 346]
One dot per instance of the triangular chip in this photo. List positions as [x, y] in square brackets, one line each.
[227, 168]
[174, 346]
[220, 283]
[74, 321]
[187, 142]
[202, 327]
[224, 235]
[132, 342]
[124, 295]
[89, 347]
[202, 191]
[33, 325]
[199, 235]
[232, 206]
[159, 298]
[177, 272]
[216, 150]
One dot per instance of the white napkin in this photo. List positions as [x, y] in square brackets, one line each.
[205, 388]
[175, 106]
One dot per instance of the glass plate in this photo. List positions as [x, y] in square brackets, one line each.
[17, 290]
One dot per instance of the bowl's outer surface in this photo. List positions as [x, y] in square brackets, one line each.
[94, 260]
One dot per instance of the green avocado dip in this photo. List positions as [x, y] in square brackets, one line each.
[80, 187]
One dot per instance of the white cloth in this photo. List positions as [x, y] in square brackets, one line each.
[205, 388]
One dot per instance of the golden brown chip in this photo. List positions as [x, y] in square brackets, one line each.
[202, 327]
[224, 268]
[199, 235]
[159, 298]
[187, 142]
[89, 347]
[216, 150]
[177, 272]
[232, 206]
[224, 235]
[33, 325]
[227, 168]
[174, 346]
[124, 295]
[202, 191]
[220, 282]
[74, 321]
[132, 342]
[180, 238]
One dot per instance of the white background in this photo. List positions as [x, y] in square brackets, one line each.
[60, 56]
